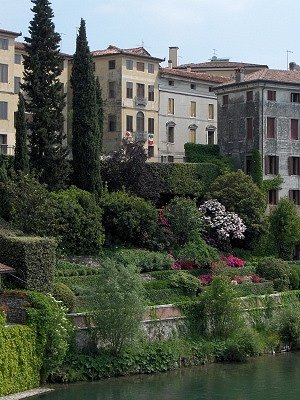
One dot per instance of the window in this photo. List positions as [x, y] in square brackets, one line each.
[17, 81]
[18, 58]
[171, 83]
[225, 100]
[171, 134]
[140, 122]
[3, 144]
[170, 106]
[3, 73]
[249, 95]
[151, 68]
[163, 159]
[140, 90]
[171, 159]
[3, 44]
[140, 66]
[129, 64]
[271, 95]
[129, 123]
[150, 151]
[112, 64]
[249, 127]
[112, 90]
[112, 123]
[150, 92]
[193, 86]
[210, 137]
[271, 165]
[294, 129]
[294, 165]
[150, 125]
[248, 165]
[295, 97]
[294, 195]
[272, 197]
[270, 127]
[3, 110]
[211, 111]
[193, 109]
[192, 136]
[129, 90]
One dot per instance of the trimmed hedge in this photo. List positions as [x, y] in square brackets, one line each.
[19, 363]
[32, 257]
[197, 153]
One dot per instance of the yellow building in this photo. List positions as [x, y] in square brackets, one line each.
[129, 83]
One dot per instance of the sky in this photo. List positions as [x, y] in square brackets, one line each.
[252, 31]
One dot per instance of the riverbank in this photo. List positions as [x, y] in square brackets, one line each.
[26, 394]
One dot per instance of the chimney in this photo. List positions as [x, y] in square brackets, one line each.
[173, 56]
[239, 75]
[170, 65]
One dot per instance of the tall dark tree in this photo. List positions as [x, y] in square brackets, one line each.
[85, 129]
[43, 65]
[21, 160]
[100, 111]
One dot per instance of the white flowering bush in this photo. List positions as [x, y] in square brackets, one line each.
[221, 225]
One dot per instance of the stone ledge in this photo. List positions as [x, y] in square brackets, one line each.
[26, 394]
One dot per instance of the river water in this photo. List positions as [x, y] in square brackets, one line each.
[264, 378]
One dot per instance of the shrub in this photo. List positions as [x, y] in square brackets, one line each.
[287, 324]
[64, 294]
[233, 261]
[184, 265]
[129, 220]
[242, 345]
[275, 270]
[188, 283]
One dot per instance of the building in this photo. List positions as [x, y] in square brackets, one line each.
[187, 111]
[129, 83]
[262, 111]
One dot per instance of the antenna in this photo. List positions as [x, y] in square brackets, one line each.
[287, 58]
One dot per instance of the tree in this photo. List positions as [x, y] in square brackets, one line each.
[239, 194]
[256, 168]
[86, 131]
[117, 305]
[100, 111]
[21, 160]
[285, 228]
[43, 65]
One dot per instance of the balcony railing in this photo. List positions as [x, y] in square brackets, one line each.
[7, 150]
[140, 101]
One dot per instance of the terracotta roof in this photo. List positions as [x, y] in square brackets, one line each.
[19, 46]
[5, 269]
[137, 51]
[201, 76]
[10, 33]
[274, 75]
[221, 64]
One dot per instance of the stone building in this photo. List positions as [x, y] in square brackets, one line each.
[262, 111]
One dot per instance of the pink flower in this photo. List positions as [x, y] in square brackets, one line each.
[205, 279]
[233, 261]
[185, 265]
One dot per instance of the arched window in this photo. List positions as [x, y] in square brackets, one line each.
[140, 122]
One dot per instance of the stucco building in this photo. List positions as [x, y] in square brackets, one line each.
[262, 111]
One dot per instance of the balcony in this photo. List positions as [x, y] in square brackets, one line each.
[141, 136]
[6, 150]
[140, 101]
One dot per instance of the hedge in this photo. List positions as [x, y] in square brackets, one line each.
[19, 363]
[32, 257]
[198, 153]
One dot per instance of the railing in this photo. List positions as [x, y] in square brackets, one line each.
[7, 150]
[140, 101]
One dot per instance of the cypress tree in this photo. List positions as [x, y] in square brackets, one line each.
[85, 127]
[256, 168]
[43, 65]
[100, 112]
[21, 161]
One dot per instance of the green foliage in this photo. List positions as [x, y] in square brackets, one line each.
[128, 220]
[256, 168]
[188, 283]
[184, 219]
[143, 260]
[86, 117]
[19, 361]
[48, 320]
[78, 222]
[63, 293]
[239, 194]
[274, 269]
[287, 324]
[285, 228]
[117, 306]
[32, 257]
[45, 99]
[198, 251]
[198, 153]
[241, 345]
[272, 184]
[21, 161]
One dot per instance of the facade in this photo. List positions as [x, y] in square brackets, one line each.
[187, 111]
[129, 83]
[262, 111]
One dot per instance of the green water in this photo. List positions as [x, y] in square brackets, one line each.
[264, 378]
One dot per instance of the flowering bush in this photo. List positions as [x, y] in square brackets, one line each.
[256, 279]
[221, 225]
[232, 261]
[185, 265]
[238, 279]
[206, 279]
